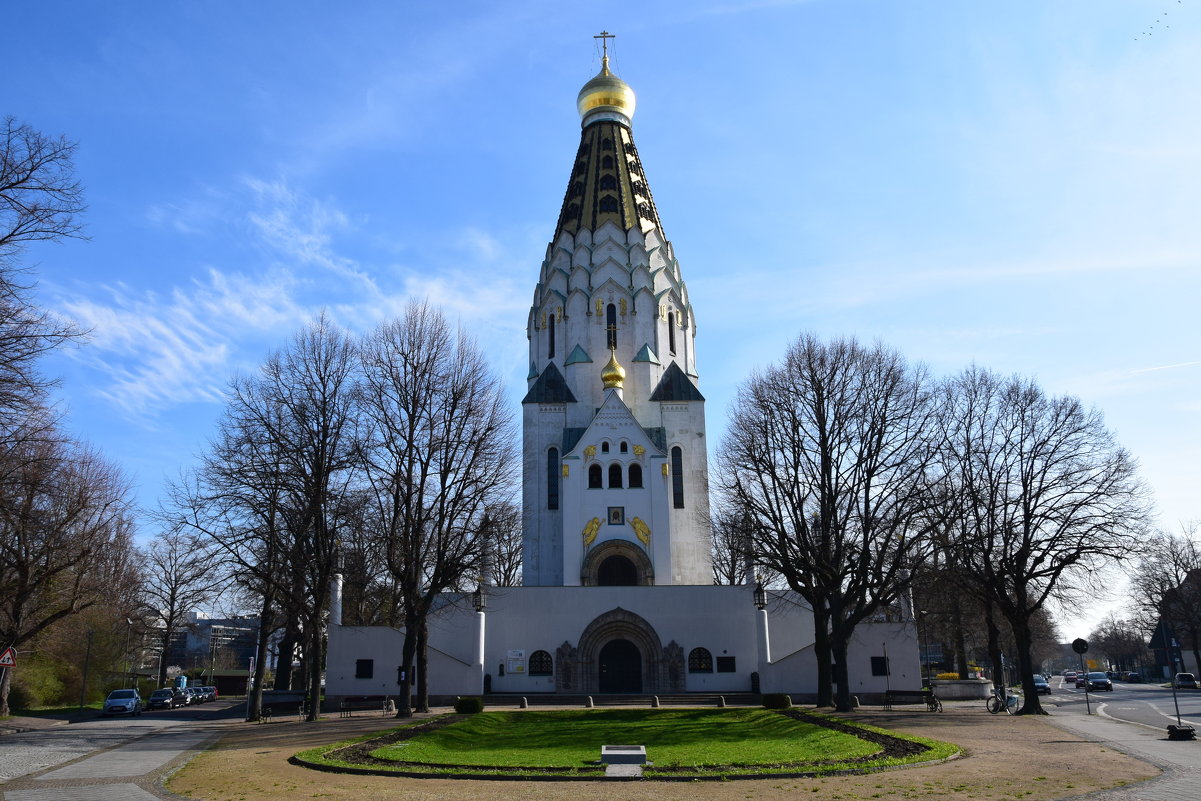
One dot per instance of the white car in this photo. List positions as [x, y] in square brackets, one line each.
[122, 702]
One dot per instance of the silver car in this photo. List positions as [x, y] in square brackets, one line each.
[122, 702]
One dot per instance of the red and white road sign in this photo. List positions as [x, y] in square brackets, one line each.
[8, 658]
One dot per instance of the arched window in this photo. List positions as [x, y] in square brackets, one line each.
[671, 332]
[611, 326]
[606, 144]
[614, 476]
[605, 446]
[594, 477]
[700, 661]
[607, 203]
[625, 447]
[541, 664]
[677, 477]
[552, 478]
[635, 476]
[550, 335]
[607, 162]
[608, 182]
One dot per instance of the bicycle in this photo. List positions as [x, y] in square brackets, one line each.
[1001, 699]
[932, 702]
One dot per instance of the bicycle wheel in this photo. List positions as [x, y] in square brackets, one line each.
[935, 705]
[994, 704]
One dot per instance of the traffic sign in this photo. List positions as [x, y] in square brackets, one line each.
[8, 658]
[1080, 646]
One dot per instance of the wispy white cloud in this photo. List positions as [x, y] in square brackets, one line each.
[159, 350]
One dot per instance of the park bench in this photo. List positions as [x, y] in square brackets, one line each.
[365, 703]
[927, 695]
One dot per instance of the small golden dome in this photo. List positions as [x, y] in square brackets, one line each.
[606, 92]
[613, 373]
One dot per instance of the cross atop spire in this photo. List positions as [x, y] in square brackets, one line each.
[605, 36]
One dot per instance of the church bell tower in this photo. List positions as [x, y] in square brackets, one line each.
[615, 471]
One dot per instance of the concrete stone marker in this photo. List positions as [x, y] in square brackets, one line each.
[623, 755]
[623, 761]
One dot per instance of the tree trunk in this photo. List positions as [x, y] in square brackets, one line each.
[283, 662]
[1022, 638]
[821, 652]
[842, 675]
[314, 659]
[960, 643]
[404, 701]
[254, 703]
[162, 659]
[994, 647]
[423, 688]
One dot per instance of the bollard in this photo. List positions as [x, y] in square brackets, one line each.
[655, 701]
[589, 703]
[525, 704]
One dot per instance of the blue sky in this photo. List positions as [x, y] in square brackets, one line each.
[1012, 184]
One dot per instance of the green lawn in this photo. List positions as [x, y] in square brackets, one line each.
[696, 743]
[676, 737]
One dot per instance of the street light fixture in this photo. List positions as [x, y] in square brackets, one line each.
[760, 596]
[479, 598]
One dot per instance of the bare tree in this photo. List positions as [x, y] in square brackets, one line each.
[732, 547]
[1167, 584]
[181, 571]
[1121, 640]
[39, 200]
[273, 489]
[65, 537]
[828, 455]
[502, 531]
[438, 456]
[1043, 497]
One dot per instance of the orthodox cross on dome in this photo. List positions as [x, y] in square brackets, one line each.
[605, 36]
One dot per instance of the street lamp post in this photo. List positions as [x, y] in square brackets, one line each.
[925, 645]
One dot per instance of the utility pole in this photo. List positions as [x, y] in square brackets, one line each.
[83, 688]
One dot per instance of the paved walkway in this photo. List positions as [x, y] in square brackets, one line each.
[131, 771]
[1180, 760]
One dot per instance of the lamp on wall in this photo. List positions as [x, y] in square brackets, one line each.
[760, 596]
[479, 598]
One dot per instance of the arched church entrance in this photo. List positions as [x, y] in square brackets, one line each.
[620, 652]
[620, 667]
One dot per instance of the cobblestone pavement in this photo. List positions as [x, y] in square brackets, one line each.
[31, 751]
[1180, 760]
[106, 760]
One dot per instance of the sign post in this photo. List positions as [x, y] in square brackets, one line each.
[1081, 647]
[8, 659]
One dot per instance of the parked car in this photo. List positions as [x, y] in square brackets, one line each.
[1097, 681]
[190, 696]
[1185, 681]
[1041, 685]
[166, 698]
[122, 702]
[1133, 677]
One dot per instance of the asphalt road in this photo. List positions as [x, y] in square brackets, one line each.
[1149, 704]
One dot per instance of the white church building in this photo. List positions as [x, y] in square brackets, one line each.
[617, 591]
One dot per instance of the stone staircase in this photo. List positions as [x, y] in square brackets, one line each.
[494, 700]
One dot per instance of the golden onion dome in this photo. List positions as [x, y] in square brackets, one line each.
[613, 374]
[606, 93]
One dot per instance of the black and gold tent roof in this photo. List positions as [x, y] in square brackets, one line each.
[607, 181]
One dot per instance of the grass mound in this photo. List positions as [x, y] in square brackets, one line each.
[682, 743]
